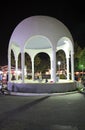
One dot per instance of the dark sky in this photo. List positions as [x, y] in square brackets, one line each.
[12, 13]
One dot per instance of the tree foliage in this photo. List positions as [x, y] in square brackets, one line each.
[77, 51]
[82, 59]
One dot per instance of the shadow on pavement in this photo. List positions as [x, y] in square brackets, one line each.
[4, 116]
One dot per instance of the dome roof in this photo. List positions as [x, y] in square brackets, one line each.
[40, 25]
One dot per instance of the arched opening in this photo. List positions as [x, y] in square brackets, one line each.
[61, 64]
[13, 76]
[12, 58]
[28, 66]
[42, 65]
[19, 61]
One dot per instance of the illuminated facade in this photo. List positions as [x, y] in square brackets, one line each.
[37, 34]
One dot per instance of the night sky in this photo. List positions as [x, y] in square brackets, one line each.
[12, 13]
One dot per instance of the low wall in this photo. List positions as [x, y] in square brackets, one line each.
[41, 87]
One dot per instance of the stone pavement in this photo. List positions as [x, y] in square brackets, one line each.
[65, 111]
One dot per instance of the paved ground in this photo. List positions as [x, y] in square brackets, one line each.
[43, 112]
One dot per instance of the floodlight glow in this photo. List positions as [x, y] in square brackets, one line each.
[59, 62]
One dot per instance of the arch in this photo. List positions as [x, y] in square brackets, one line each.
[38, 42]
[12, 57]
[44, 60]
[61, 64]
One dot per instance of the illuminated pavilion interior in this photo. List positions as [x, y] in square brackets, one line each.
[38, 34]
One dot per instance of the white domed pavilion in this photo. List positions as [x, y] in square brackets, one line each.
[37, 34]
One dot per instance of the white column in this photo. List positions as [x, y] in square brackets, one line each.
[72, 66]
[32, 68]
[67, 61]
[9, 65]
[53, 66]
[22, 65]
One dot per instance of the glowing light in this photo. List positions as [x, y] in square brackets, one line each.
[59, 62]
